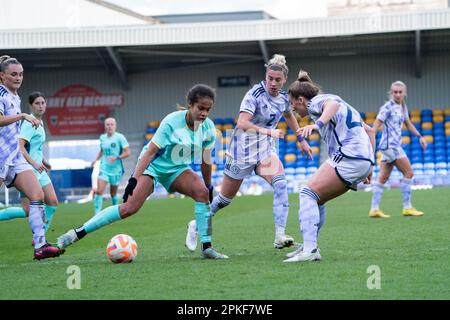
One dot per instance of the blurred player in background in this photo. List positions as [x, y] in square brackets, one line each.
[391, 117]
[252, 149]
[351, 146]
[31, 141]
[94, 183]
[114, 148]
[14, 169]
[181, 136]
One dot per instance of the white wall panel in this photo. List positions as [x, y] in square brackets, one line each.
[224, 31]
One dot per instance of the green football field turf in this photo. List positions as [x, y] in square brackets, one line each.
[412, 254]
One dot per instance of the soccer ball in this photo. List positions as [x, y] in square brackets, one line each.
[121, 248]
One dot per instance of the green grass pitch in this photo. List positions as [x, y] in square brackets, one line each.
[411, 252]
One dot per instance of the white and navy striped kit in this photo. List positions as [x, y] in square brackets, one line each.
[9, 135]
[249, 147]
[349, 147]
[393, 115]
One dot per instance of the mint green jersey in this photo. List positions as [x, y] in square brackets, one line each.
[35, 138]
[180, 146]
[112, 147]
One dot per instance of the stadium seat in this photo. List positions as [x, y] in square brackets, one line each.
[438, 118]
[289, 165]
[414, 113]
[416, 120]
[153, 124]
[290, 157]
[447, 132]
[228, 121]
[301, 162]
[369, 121]
[427, 118]
[417, 166]
[371, 114]
[291, 138]
[427, 112]
[227, 126]
[302, 169]
[314, 143]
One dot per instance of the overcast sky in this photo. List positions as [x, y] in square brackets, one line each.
[280, 9]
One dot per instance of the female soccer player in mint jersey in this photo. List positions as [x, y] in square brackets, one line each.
[252, 148]
[351, 145]
[14, 169]
[31, 141]
[391, 117]
[181, 137]
[114, 148]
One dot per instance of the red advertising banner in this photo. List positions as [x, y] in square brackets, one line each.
[79, 109]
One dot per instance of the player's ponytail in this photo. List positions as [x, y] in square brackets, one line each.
[303, 87]
[303, 76]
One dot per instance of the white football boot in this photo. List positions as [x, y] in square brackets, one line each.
[297, 251]
[283, 241]
[210, 253]
[67, 239]
[191, 236]
[303, 256]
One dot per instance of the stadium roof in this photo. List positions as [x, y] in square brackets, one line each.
[40, 14]
[129, 49]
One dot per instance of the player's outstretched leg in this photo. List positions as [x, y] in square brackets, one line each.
[280, 212]
[12, 213]
[103, 218]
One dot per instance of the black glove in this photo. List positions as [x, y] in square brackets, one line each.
[132, 182]
[211, 193]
